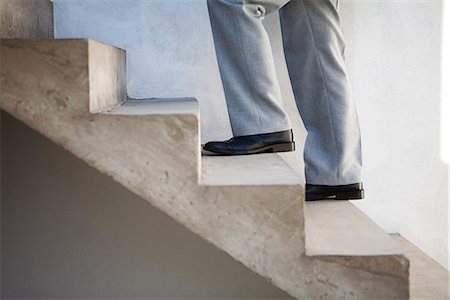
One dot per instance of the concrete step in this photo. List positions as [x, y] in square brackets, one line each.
[347, 249]
[340, 228]
[25, 19]
[250, 207]
[262, 169]
[83, 75]
[429, 279]
[338, 232]
[174, 106]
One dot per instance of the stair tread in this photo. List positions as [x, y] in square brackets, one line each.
[340, 228]
[157, 106]
[261, 169]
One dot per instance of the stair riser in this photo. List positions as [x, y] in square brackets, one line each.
[340, 278]
[107, 77]
[77, 75]
[26, 19]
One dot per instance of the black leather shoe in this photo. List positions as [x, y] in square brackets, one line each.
[282, 141]
[334, 192]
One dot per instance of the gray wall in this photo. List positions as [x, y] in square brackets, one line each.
[70, 232]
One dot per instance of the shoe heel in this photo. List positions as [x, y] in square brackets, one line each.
[350, 195]
[285, 147]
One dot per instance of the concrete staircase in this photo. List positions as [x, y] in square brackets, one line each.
[251, 207]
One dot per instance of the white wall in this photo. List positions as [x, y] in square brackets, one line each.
[445, 103]
[394, 57]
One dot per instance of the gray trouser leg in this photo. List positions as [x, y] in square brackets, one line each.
[247, 67]
[313, 43]
[314, 50]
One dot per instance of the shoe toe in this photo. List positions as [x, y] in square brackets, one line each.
[215, 146]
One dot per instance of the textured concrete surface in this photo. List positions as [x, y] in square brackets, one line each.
[339, 228]
[337, 231]
[428, 279]
[264, 169]
[177, 106]
[26, 19]
[157, 156]
[107, 76]
[92, 82]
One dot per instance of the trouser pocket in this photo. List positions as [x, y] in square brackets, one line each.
[259, 8]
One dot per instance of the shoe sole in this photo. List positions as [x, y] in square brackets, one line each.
[282, 147]
[344, 195]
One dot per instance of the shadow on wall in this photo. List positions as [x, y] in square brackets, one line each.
[70, 232]
[394, 52]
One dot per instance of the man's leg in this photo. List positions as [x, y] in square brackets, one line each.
[314, 49]
[247, 66]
